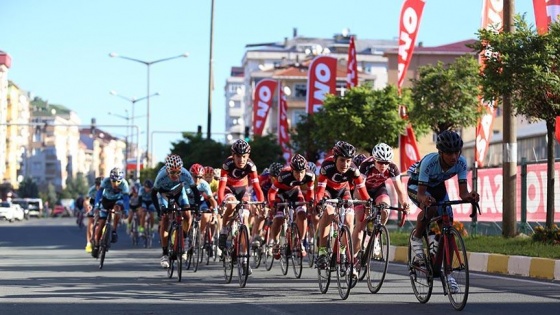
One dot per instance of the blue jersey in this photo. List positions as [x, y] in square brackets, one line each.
[205, 190]
[428, 171]
[145, 196]
[106, 190]
[92, 192]
[163, 184]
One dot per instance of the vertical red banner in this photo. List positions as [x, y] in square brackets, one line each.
[262, 101]
[320, 82]
[409, 23]
[492, 17]
[283, 126]
[352, 65]
[546, 12]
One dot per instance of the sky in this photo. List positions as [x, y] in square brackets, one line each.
[60, 50]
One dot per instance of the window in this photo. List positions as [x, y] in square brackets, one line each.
[340, 88]
[300, 91]
[296, 117]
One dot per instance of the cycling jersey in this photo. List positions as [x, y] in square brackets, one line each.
[375, 178]
[428, 171]
[237, 179]
[108, 195]
[338, 184]
[287, 187]
[163, 185]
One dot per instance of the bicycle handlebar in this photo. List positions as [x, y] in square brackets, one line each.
[294, 204]
[475, 210]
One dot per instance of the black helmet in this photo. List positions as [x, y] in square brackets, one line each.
[358, 159]
[344, 149]
[275, 168]
[240, 147]
[449, 141]
[98, 181]
[148, 183]
[298, 162]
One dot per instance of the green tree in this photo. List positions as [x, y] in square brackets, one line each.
[363, 117]
[445, 96]
[196, 149]
[75, 187]
[265, 150]
[302, 141]
[524, 65]
[28, 188]
[49, 196]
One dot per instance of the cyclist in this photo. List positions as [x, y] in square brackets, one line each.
[427, 184]
[336, 173]
[378, 168]
[146, 204]
[208, 206]
[89, 208]
[209, 178]
[358, 159]
[134, 205]
[287, 189]
[170, 184]
[238, 171]
[112, 194]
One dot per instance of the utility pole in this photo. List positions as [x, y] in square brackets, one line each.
[509, 147]
[210, 74]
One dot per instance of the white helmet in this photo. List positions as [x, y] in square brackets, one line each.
[382, 152]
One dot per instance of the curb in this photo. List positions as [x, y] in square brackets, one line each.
[533, 267]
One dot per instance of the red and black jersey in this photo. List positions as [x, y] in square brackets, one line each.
[375, 178]
[330, 178]
[234, 178]
[265, 181]
[286, 184]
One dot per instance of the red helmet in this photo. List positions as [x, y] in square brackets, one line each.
[197, 170]
[208, 171]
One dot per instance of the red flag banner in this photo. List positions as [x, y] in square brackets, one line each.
[352, 66]
[492, 18]
[262, 101]
[283, 127]
[408, 29]
[320, 82]
[546, 12]
[408, 148]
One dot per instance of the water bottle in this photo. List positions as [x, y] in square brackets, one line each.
[370, 227]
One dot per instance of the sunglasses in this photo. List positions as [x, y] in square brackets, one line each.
[198, 177]
[382, 163]
[174, 172]
[116, 181]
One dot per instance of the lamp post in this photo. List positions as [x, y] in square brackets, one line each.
[148, 64]
[133, 101]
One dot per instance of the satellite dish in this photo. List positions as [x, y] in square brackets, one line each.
[345, 32]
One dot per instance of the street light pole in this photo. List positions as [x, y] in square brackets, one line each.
[210, 74]
[147, 64]
[133, 102]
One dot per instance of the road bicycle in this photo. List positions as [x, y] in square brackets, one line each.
[176, 242]
[373, 256]
[340, 253]
[106, 233]
[263, 252]
[446, 259]
[134, 235]
[310, 242]
[194, 252]
[208, 244]
[148, 235]
[290, 246]
[237, 250]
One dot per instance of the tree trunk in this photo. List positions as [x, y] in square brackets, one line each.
[550, 157]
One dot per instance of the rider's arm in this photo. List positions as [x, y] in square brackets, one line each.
[272, 195]
[321, 186]
[126, 202]
[155, 199]
[98, 196]
[222, 186]
[310, 192]
[254, 179]
[399, 187]
[361, 187]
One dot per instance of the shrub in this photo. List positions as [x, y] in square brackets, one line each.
[546, 235]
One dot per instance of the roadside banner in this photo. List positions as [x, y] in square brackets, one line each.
[352, 66]
[262, 101]
[283, 127]
[321, 81]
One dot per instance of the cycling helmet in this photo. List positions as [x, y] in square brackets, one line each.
[382, 153]
[173, 161]
[197, 170]
[240, 147]
[98, 181]
[312, 167]
[217, 173]
[298, 163]
[148, 183]
[344, 149]
[358, 159]
[275, 169]
[449, 141]
[116, 174]
[208, 171]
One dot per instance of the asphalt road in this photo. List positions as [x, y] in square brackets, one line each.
[45, 270]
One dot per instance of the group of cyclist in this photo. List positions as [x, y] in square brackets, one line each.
[344, 174]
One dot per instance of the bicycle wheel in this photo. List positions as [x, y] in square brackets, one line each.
[171, 256]
[344, 262]
[243, 248]
[104, 243]
[456, 267]
[179, 249]
[311, 241]
[135, 235]
[324, 271]
[296, 251]
[378, 259]
[208, 248]
[420, 272]
[284, 260]
[361, 258]
[228, 262]
[196, 247]
[256, 255]
[188, 251]
[268, 256]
